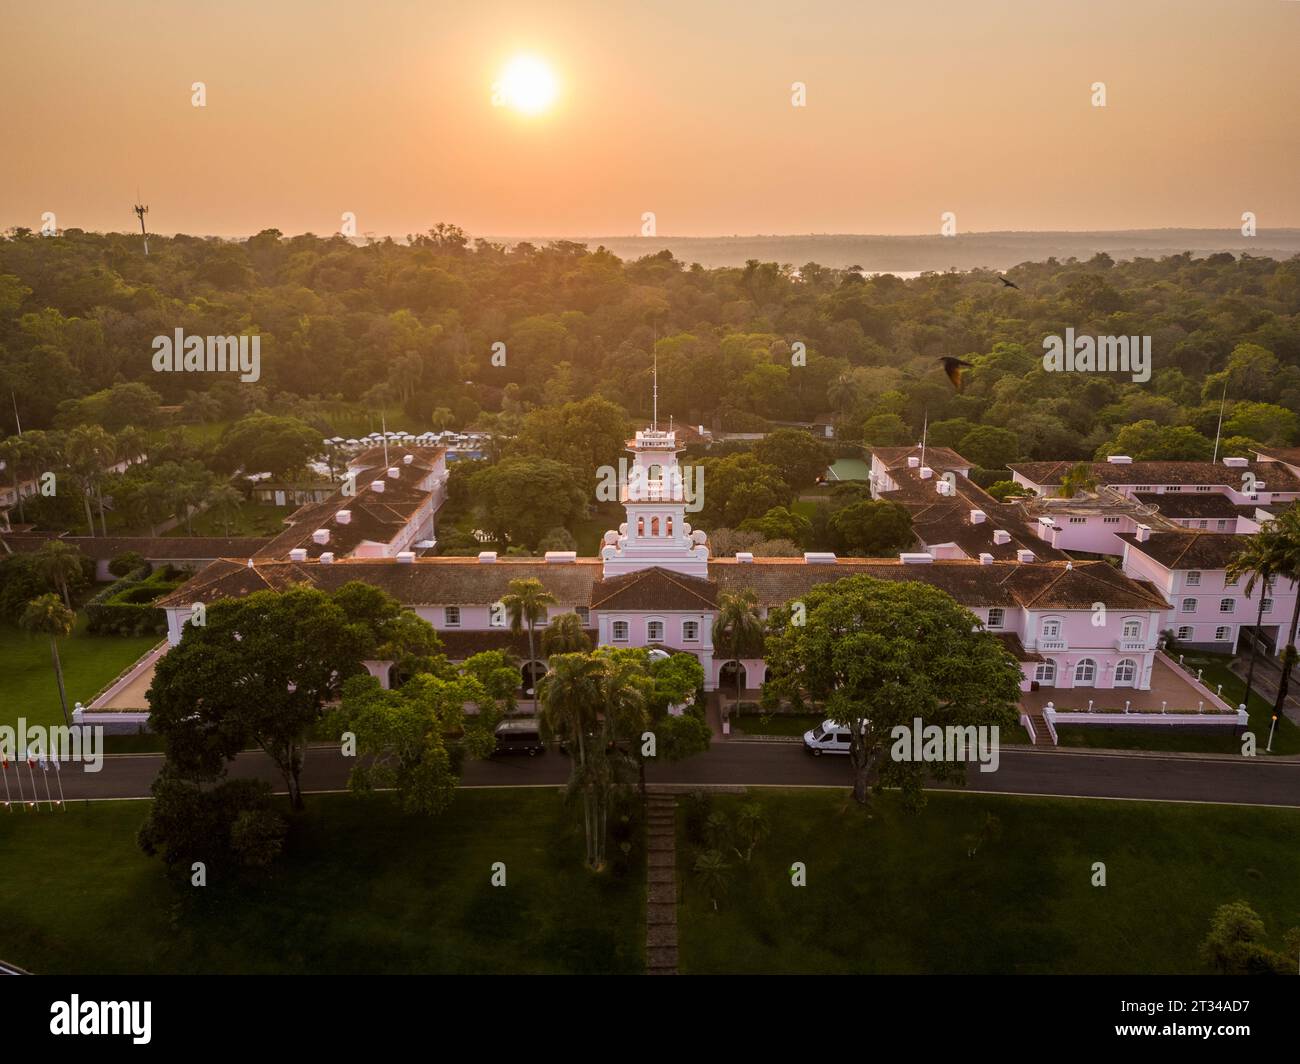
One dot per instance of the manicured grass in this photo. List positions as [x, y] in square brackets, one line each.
[253, 519]
[1214, 671]
[361, 888]
[1218, 741]
[897, 893]
[777, 723]
[89, 662]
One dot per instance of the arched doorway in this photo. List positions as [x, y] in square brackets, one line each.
[1085, 673]
[530, 674]
[731, 677]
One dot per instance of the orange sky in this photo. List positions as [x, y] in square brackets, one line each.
[915, 107]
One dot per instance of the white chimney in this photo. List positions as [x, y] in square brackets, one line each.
[298, 554]
[321, 536]
[487, 557]
[926, 472]
[814, 557]
[407, 459]
[327, 558]
[1024, 556]
[916, 559]
[394, 472]
[406, 557]
[377, 486]
[1001, 537]
[1236, 463]
[977, 517]
[561, 557]
[1119, 459]
[1143, 533]
[913, 462]
[986, 558]
[744, 557]
[942, 487]
[343, 517]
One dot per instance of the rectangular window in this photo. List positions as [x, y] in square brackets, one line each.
[996, 616]
[584, 615]
[451, 617]
[1230, 580]
[655, 631]
[1268, 605]
[690, 631]
[1227, 605]
[620, 631]
[1078, 520]
[1193, 578]
[1223, 525]
[1110, 520]
[1222, 635]
[1185, 632]
[1051, 629]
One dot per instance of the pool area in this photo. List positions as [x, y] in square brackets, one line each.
[848, 469]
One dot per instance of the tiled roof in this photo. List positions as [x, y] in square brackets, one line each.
[1190, 550]
[1181, 504]
[464, 581]
[654, 589]
[1275, 476]
[424, 582]
[935, 457]
[151, 548]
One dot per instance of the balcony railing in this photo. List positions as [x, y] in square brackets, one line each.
[1133, 646]
[1054, 643]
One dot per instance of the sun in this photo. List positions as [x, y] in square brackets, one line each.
[527, 85]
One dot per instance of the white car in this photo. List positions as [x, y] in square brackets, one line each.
[827, 738]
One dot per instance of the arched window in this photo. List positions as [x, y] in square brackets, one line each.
[655, 631]
[1185, 632]
[1124, 673]
[668, 525]
[1045, 673]
[654, 526]
[640, 526]
[1085, 673]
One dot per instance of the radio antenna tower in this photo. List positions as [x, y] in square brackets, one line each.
[141, 209]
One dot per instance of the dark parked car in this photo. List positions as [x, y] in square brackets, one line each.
[519, 737]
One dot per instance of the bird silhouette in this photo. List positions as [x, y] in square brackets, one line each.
[953, 367]
[1009, 284]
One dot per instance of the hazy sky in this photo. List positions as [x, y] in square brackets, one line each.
[680, 107]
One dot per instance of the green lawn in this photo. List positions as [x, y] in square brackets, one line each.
[254, 519]
[89, 663]
[361, 888]
[777, 723]
[898, 893]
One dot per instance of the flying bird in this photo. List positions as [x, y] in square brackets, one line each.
[953, 367]
[1009, 284]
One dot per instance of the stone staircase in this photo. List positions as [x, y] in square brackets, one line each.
[1042, 737]
[661, 893]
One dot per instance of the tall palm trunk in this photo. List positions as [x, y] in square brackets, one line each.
[58, 675]
[90, 518]
[531, 655]
[1288, 660]
[1254, 649]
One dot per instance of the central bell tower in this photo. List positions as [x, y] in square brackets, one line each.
[654, 496]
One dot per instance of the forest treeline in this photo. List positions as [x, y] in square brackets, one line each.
[417, 325]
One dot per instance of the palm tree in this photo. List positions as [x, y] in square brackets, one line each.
[46, 615]
[1259, 558]
[570, 695]
[1077, 480]
[625, 692]
[526, 604]
[225, 501]
[1286, 565]
[89, 453]
[713, 872]
[738, 627]
[565, 636]
[59, 563]
[15, 451]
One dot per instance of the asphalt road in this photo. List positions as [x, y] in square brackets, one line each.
[1251, 781]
